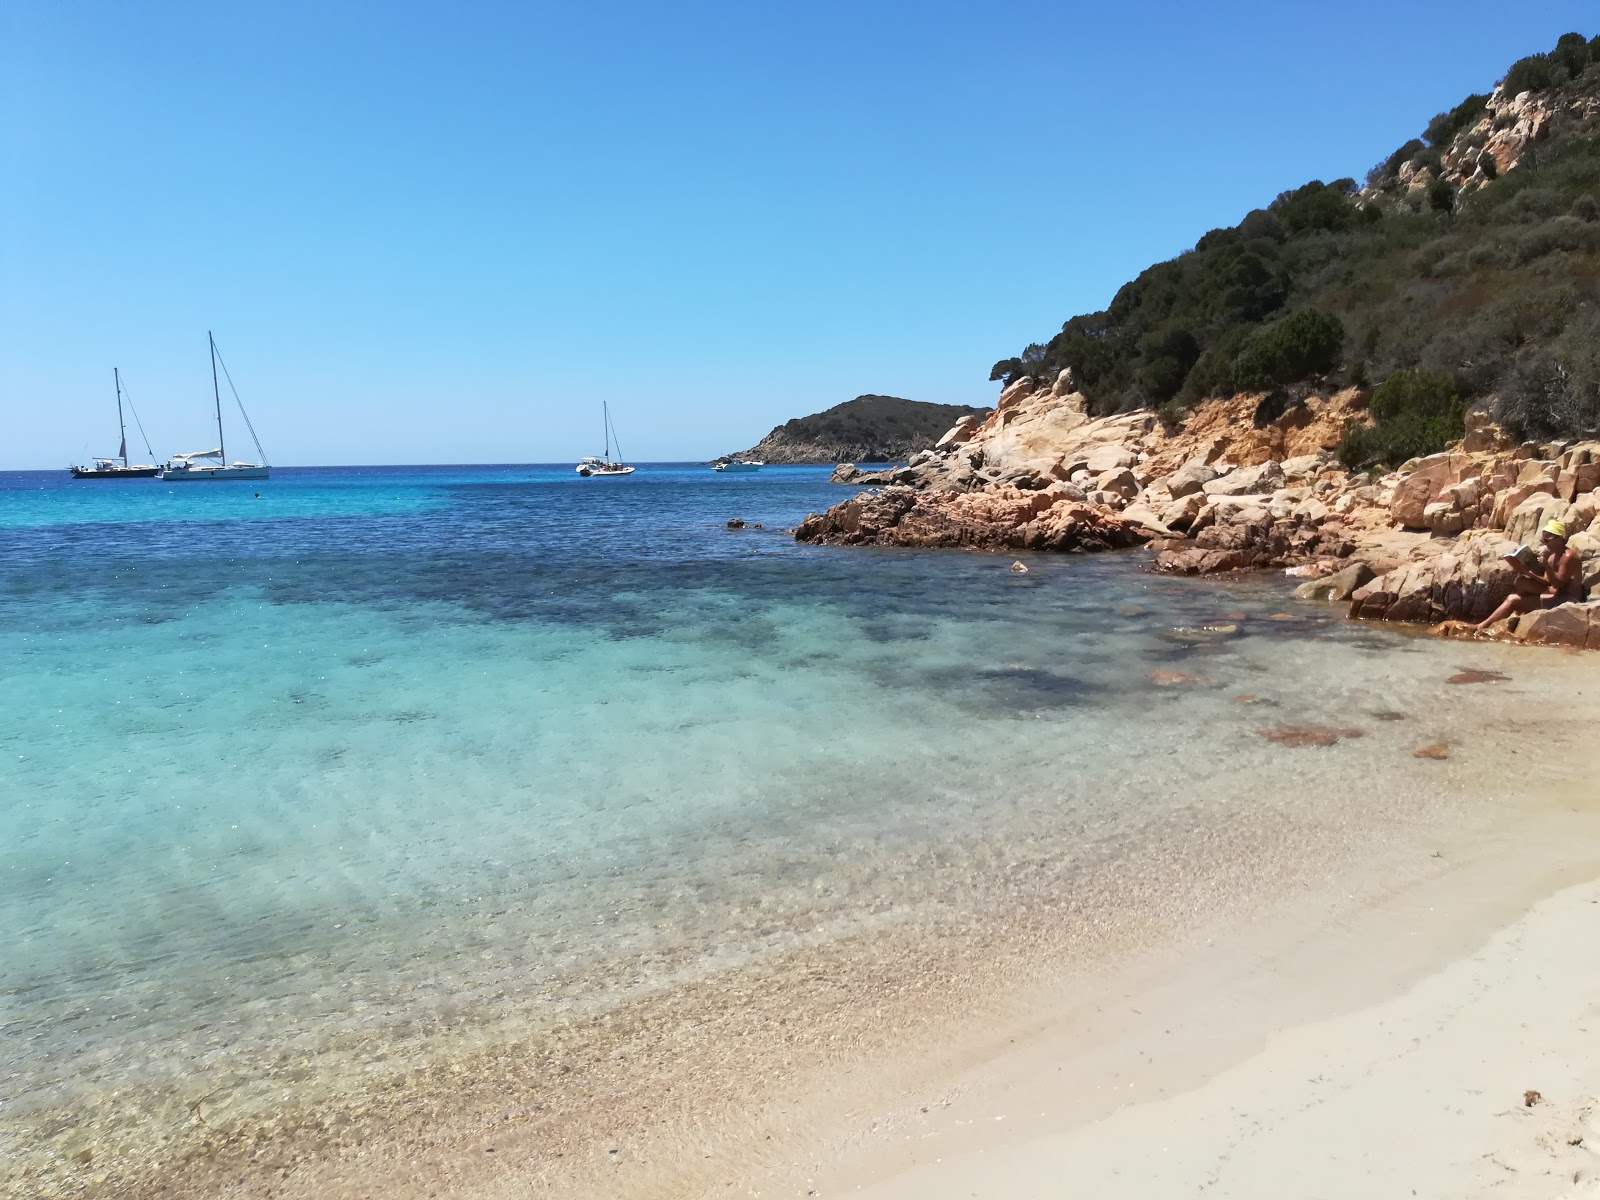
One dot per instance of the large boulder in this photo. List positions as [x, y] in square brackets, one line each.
[1190, 478]
[1484, 434]
[1578, 471]
[1465, 584]
[1443, 519]
[1421, 487]
[1564, 625]
[1514, 496]
[1339, 586]
[1587, 544]
[1180, 514]
[961, 432]
[1304, 466]
[1524, 524]
[1119, 481]
[1109, 458]
[1143, 514]
[1262, 479]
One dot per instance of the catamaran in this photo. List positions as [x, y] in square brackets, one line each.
[605, 464]
[110, 468]
[193, 465]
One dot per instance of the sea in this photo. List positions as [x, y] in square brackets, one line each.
[315, 784]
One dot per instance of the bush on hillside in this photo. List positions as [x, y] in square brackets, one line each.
[1554, 389]
[1447, 124]
[1416, 412]
[1470, 283]
[1532, 74]
[1301, 345]
[1571, 55]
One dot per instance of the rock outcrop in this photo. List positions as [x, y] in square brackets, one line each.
[999, 519]
[1221, 493]
[1493, 143]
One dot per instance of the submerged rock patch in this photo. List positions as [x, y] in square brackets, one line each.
[1309, 735]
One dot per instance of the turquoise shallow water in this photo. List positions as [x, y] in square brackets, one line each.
[377, 750]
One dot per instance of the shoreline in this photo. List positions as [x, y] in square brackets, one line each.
[718, 1081]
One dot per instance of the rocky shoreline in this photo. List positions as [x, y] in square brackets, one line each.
[1225, 492]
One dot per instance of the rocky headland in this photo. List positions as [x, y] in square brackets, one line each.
[1220, 492]
[875, 429]
[1380, 389]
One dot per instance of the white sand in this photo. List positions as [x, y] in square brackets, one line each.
[1421, 1094]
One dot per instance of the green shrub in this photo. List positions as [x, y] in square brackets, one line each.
[1303, 344]
[1532, 74]
[1571, 54]
[1415, 391]
[1415, 412]
[1358, 447]
[1314, 206]
[1446, 125]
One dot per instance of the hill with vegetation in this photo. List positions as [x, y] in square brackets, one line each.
[866, 429]
[1464, 272]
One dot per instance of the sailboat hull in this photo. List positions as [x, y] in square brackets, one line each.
[115, 472]
[213, 474]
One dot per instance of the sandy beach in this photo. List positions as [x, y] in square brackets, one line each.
[1472, 1076]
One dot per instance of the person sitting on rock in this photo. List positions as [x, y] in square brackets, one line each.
[1557, 579]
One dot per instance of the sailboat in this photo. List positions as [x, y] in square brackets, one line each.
[193, 465]
[605, 464]
[110, 468]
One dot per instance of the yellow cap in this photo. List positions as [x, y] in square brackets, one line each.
[1559, 528]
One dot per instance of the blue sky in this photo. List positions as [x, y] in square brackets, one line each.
[444, 233]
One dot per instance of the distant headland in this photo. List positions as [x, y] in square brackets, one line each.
[866, 429]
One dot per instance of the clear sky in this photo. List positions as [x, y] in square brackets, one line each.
[445, 232]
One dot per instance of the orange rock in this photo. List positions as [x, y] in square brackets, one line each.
[1440, 750]
[1164, 678]
[1308, 735]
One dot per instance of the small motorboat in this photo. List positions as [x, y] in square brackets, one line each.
[737, 464]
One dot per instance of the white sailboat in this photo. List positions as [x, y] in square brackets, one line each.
[108, 467]
[197, 464]
[605, 464]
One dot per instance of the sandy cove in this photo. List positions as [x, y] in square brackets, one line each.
[1479, 1080]
[1230, 490]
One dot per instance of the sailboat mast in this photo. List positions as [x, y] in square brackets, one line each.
[222, 447]
[605, 410]
[122, 425]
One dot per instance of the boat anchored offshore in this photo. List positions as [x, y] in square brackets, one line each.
[604, 464]
[110, 468]
[194, 465]
[737, 464]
